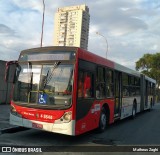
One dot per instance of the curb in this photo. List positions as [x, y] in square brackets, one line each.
[13, 129]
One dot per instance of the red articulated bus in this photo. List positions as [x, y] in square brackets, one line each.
[70, 91]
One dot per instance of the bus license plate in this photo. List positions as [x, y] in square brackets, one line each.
[38, 126]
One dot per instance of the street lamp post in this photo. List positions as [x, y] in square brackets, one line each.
[105, 41]
[42, 23]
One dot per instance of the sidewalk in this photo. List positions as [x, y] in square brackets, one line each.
[5, 127]
[4, 116]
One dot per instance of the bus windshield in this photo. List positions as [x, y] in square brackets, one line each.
[44, 85]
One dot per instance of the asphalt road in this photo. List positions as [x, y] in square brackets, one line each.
[143, 130]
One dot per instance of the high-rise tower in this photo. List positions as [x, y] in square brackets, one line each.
[72, 26]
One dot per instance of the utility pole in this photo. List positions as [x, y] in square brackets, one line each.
[42, 23]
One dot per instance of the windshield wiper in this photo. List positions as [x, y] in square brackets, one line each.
[30, 77]
[49, 76]
[30, 80]
[45, 80]
[69, 86]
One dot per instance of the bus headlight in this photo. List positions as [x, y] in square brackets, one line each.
[13, 109]
[14, 112]
[67, 117]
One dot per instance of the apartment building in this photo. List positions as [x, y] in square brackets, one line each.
[71, 26]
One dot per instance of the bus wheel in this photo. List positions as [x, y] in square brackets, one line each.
[103, 121]
[134, 110]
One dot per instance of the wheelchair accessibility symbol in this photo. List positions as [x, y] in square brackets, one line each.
[42, 98]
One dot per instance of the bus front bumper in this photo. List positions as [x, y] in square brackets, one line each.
[62, 128]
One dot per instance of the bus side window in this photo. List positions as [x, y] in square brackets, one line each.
[80, 84]
[100, 83]
[125, 82]
[109, 83]
[85, 85]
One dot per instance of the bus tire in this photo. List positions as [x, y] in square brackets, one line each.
[134, 110]
[103, 121]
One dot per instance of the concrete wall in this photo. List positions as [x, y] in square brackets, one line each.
[5, 88]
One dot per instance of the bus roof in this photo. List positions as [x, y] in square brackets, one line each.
[88, 56]
[47, 48]
[150, 79]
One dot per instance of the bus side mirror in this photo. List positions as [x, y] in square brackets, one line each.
[12, 71]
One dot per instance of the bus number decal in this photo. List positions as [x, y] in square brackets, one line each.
[96, 108]
[46, 116]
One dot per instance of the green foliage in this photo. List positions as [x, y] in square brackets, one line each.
[144, 63]
[149, 65]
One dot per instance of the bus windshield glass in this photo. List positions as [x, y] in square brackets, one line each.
[44, 85]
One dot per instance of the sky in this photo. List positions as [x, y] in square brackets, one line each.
[131, 27]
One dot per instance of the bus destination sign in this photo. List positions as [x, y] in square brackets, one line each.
[42, 57]
[47, 56]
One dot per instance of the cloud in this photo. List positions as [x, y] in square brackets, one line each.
[5, 30]
[130, 27]
[122, 26]
[118, 18]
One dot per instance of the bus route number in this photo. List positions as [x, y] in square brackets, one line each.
[46, 116]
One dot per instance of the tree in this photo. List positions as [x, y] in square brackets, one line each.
[149, 65]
